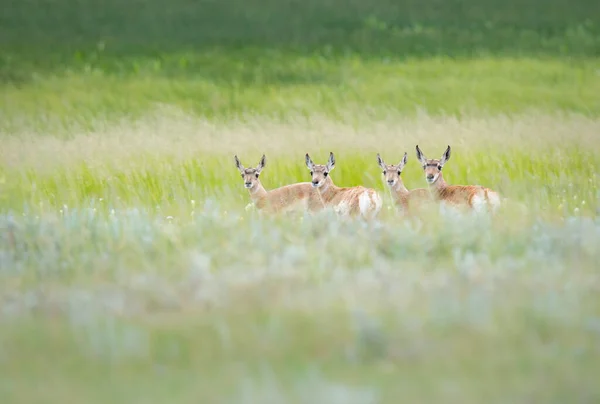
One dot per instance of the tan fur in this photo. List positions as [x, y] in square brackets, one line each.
[293, 197]
[403, 198]
[474, 197]
[351, 201]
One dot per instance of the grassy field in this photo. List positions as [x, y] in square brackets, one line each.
[131, 272]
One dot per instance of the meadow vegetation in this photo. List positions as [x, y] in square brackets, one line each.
[130, 270]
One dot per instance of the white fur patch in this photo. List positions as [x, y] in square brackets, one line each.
[370, 203]
[478, 202]
[364, 203]
[481, 204]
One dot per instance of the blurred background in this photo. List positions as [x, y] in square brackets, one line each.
[367, 51]
[380, 28]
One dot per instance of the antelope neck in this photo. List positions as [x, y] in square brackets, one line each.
[258, 191]
[439, 185]
[399, 188]
[399, 192]
[327, 190]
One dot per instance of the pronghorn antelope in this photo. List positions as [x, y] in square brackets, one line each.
[475, 197]
[344, 201]
[402, 197]
[300, 196]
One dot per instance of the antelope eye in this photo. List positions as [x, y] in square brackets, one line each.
[325, 174]
[311, 173]
[256, 175]
[384, 172]
[440, 168]
[399, 172]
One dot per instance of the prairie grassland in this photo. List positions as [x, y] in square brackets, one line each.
[170, 157]
[226, 86]
[131, 271]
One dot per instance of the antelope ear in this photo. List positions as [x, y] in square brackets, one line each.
[238, 164]
[403, 162]
[261, 164]
[421, 157]
[309, 162]
[331, 162]
[380, 162]
[445, 157]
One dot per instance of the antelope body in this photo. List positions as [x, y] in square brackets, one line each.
[402, 197]
[351, 201]
[475, 197]
[293, 197]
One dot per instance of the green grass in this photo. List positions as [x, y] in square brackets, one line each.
[130, 264]
[146, 165]
[279, 86]
[76, 62]
[130, 270]
[379, 27]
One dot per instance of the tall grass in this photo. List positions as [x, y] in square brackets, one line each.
[282, 87]
[127, 261]
[145, 164]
